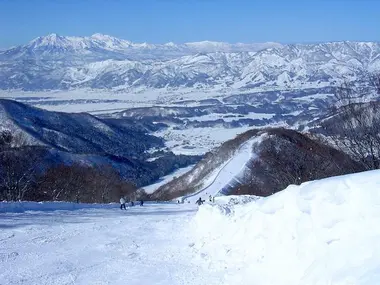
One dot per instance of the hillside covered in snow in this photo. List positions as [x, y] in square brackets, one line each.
[82, 138]
[259, 162]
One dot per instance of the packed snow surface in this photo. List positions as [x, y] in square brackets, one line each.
[166, 179]
[142, 245]
[321, 232]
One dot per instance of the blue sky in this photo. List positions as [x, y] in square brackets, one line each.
[159, 21]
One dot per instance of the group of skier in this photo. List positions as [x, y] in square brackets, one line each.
[123, 203]
[200, 201]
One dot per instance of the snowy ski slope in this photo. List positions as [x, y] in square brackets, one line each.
[226, 174]
[322, 232]
[92, 246]
[149, 189]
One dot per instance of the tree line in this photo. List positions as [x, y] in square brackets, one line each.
[25, 175]
[354, 124]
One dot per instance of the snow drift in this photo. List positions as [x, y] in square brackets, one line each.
[321, 232]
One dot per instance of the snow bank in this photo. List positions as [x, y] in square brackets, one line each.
[20, 207]
[235, 200]
[321, 232]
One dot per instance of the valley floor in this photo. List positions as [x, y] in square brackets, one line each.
[142, 245]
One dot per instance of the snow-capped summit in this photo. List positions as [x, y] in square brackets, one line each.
[97, 46]
[49, 39]
[205, 64]
[57, 41]
[100, 45]
[102, 37]
[109, 42]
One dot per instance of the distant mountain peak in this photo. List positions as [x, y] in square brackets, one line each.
[102, 61]
[48, 39]
[103, 37]
[52, 36]
[100, 36]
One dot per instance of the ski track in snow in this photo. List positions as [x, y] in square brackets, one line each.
[143, 245]
[226, 173]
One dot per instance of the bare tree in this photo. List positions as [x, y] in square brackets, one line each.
[104, 184]
[355, 124]
[288, 157]
[5, 139]
[83, 183]
[18, 166]
[17, 172]
[375, 82]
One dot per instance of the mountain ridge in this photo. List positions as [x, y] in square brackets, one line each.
[104, 62]
[100, 42]
[81, 137]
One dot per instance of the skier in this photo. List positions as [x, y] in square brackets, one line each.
[210, 198]
[132, 204]
[199, 201]
[122, 203]
[141, 203]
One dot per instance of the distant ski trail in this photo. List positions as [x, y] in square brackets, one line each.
[227, 173]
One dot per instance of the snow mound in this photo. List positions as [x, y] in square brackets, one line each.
[235, 199]
[321, 232]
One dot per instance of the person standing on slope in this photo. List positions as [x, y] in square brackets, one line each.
[122, 203]
[199, 201]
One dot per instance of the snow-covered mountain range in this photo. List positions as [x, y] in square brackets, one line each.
[99, 46]
[104, 62]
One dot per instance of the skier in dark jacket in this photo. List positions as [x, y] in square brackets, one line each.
[141, 203]
[199, 201]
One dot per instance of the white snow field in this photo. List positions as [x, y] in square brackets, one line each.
[142, 245]
[149, 189]
[320, 233]
[323, 232]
